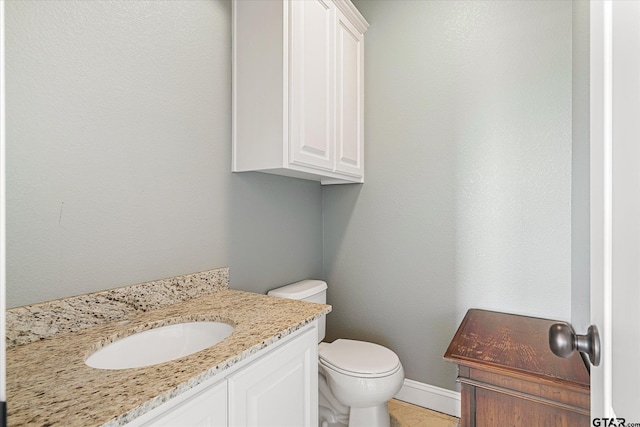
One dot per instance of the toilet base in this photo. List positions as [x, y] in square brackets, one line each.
[332, 413]
[377, 416]
[328, 418]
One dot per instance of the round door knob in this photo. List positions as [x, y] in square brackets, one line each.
[563, 341]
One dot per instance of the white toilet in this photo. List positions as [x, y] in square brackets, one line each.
[355, 378]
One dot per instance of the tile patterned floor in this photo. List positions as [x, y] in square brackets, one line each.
[407, 415]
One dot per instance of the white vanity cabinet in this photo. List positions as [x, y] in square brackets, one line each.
[298, 89]
[278, 386]
[204, 408]
[280, 389]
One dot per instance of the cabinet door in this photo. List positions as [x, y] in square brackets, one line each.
[280, 389]
[311, 101]
[349, 98]
[206, 409]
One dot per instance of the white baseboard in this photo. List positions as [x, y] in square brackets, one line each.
[430, 397]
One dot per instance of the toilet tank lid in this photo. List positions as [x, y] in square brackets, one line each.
[299, 290]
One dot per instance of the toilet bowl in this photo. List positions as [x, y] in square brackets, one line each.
[363, 377]
[356, 378]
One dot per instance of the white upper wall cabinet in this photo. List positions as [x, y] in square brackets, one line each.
[298, 89]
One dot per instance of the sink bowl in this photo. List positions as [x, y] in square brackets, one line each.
[159, 345]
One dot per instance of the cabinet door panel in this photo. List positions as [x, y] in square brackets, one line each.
[206, 409]
[349, 98]
[278, 390]
[312, 82]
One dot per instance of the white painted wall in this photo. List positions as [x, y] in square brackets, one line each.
[467, 200]
[119, 155]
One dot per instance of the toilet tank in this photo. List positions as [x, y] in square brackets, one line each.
[306, 290]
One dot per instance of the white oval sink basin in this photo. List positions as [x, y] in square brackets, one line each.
[159, 345]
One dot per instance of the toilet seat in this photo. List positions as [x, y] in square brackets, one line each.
[359, 358]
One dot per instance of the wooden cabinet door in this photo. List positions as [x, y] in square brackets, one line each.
[349, 98]
[311, 108]
[279, 389]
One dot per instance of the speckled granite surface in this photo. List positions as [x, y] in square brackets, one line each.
[35, 322]
[49, 384]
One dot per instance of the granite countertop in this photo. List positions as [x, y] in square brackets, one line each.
[48, 382]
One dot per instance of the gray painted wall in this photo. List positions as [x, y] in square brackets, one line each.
[118, 131]
[467, 199]
[119, 155]
[580, 233]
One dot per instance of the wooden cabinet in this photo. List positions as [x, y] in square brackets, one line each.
[298, 89]
[275, 387]
[510, 377]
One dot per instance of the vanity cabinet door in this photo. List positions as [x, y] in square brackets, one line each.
[279, 389]
[207, 408]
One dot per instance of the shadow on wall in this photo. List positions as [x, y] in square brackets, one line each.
[275, 231]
